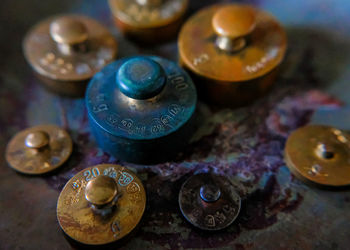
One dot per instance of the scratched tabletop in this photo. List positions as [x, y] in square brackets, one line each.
[246, 144]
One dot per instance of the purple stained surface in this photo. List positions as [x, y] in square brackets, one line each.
[246, 145]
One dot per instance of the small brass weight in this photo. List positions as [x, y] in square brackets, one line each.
[39, 149]
[66, 51]
[149, 21]
[101, 204]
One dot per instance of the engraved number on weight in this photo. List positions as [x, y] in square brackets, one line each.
[89, 174]
[201, 59]
[100, 108]
[125, 179]
[179, 81]
[115, 228]
[210, 220]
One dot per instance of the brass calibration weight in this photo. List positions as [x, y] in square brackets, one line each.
[39, 149]
[209, 201]
[149, 21]
[319, 155]
[66, 51]
[232, 51]
[101, 204]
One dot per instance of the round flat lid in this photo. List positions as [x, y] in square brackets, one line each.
[75, 213]
[265, 47]
[41, 47]
[148, 13]
[320, 155]
[115, 98]
[39, 149]
[209, 201]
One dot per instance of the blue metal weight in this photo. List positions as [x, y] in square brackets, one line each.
[141, 108]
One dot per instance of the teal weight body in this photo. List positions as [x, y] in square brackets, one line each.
[141, 109]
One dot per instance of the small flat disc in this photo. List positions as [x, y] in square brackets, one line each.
[209, 215]
[29, 160]
[42, 52]
[319, 154]
[148, 16]
[81, 223]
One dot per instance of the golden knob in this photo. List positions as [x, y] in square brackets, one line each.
[234, 21]
[101, 190]
[37, 139]
[68, 30]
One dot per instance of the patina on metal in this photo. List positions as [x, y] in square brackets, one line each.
[320, 155]
[66, 51]
[39, 149]
[149, 21]
[209, 201]
[232, 51]
[101, 204]
[141, 108]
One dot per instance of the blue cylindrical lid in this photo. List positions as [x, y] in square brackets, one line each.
[118, 98]
[140, 78]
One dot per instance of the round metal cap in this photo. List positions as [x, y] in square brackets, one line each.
[68, 30]
[320, 155]
[234, 21]
[209, 201]
[37, 139]
[98, 184]
[101, 190]
[140, 78]
[210, 193]
[39, 149]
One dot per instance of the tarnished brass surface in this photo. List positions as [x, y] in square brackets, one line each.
[209, 201]
[232, 51]
[39, 149]
[68, 30]
[320, 155]
[234, 21]
[66, 51]
[149, 20]
[109, 216]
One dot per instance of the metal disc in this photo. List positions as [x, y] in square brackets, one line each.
[79, 221]
[43, 54]
[319, 154]
[29, 154]
[148, 15]
[214, 209]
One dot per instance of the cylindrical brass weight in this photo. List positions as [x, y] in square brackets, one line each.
[149, 21]
[232, 51]
[66, 51]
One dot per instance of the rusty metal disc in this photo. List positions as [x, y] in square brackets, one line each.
[209, 201]
[101, 204]
[320, 155]
[39, 149]
[47, 47]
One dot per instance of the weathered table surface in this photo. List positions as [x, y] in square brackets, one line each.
[279, 212]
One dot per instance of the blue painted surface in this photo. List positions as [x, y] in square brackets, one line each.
[140, 78]
[135, 129]
[128, 118]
